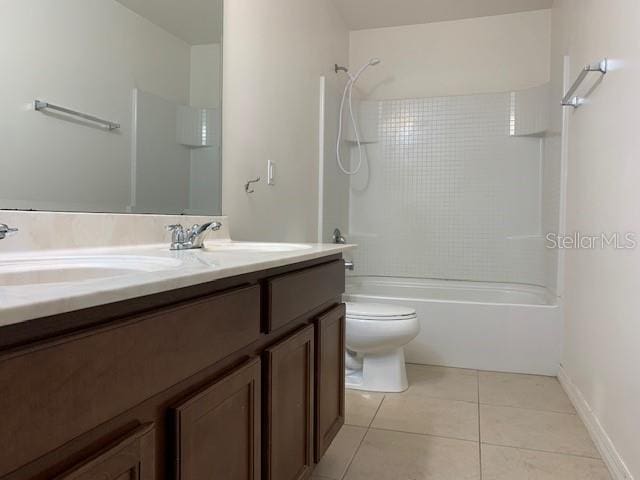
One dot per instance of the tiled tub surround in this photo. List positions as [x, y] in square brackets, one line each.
[454, 197]
[450, 190]
[58, 235]
[456, 424]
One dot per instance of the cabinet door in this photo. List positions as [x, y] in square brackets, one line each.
[132, 458]
[218, 429]
[330, 345]
[289, 393]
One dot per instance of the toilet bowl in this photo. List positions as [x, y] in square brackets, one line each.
[376, 336]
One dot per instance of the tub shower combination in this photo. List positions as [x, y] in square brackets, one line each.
[479, 325]
[448, 199]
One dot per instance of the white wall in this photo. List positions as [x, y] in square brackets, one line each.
[479, 55]
[602, 305]
[274, 55]
[87, 55]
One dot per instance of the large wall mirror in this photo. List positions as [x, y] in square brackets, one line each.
[111, 106]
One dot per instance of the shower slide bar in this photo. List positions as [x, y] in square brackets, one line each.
[571, 100]
[40, 105]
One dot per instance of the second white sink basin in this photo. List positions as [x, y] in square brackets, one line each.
[47, 270]
[257, 247]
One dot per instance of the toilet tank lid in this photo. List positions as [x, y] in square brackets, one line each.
[376, 310]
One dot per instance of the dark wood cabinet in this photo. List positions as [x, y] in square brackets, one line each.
[289, 413]
[237, 379]
[66, 386]
[132, 458]
[218, 430]
[294, 294]
[329, 349]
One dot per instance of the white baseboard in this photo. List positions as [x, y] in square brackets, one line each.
[605, 446]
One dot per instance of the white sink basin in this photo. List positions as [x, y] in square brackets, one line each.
[263, 247]
[46, 270]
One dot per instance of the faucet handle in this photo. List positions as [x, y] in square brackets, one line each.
[177, 233]
[7, 231]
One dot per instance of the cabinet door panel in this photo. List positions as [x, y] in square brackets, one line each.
[132, 458]
[218, 430]
[330, 347]
[290, 401]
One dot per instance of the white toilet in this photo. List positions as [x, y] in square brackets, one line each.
[376, 336]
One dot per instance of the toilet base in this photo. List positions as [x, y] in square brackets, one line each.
[381, 372]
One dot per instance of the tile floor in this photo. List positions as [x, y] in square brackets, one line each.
[456, 424]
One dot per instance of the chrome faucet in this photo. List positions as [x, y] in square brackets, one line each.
[190, 238]
[6, 231]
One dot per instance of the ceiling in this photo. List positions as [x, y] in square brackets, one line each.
[197, 22]
[362, 14]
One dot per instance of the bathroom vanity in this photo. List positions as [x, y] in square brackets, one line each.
[121, 359]
[240, 377]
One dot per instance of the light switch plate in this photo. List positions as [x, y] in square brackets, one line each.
[271, 172]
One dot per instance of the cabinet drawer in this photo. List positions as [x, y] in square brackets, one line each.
[292, 295]
[52, 393]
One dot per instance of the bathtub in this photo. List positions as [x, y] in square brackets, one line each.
[485, 326]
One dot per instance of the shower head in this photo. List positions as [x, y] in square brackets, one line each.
[372, 63]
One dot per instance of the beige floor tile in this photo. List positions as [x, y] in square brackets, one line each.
[505, 463]
[386, 455]
[442, 382]
[548, 431]
[361, 407]
[523, 391]
[433, 416]
[335, 462]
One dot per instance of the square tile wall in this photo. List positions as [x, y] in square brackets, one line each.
[446, 192]
[551, 201]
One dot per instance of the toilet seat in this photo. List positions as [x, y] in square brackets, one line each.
[379, 312]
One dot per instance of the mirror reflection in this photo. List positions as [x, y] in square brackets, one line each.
[111, 106]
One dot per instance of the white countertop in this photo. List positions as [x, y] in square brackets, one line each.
[26, 302]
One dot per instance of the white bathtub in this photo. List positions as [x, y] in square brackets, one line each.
[486, 326]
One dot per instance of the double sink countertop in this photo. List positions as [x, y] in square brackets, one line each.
[44, 283]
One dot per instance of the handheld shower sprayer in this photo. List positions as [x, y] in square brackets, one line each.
[348, 92]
